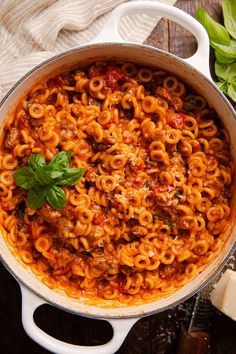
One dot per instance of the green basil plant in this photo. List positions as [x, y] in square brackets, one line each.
[223, 41]
[43, 181]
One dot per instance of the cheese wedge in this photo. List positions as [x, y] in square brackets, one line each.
[224, 294]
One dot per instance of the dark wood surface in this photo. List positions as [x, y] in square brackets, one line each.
[157, 334]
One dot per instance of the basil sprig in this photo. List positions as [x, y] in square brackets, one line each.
[223, 44]
[229, 13]
[43, 180]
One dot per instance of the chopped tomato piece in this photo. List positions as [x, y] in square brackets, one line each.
[99, 220]
[162, 189]
[108, 125]
[114, 74]
[61, 271]
[120, 285]
[178, 121]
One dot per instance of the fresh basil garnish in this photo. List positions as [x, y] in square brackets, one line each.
[43, 180]
[71, 176]
[36, 197]
[56, 197]
[36, 160]
[61, 159]
[24, 177]
[47, 175]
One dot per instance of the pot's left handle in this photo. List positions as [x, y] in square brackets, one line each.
[30, 302]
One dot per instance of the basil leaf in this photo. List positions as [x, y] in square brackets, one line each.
[56, 197]
[36, 160]
[42, 179]
[223, 86]
[47, 175]
[223, 59]
[226, 51]
[226, 72]
[232, 91]
[71, 176]
[229, 13]
[233, 42]
[36, 197]
[55, 171]
[61, 159]
[166, 221]
[24, 177]
[216, 32]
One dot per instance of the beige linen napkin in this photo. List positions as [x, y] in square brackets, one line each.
[31, 31]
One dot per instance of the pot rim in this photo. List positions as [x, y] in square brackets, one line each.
[139, 315]
[233, 247]
[115, 44]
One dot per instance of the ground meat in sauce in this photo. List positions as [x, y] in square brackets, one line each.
[60, 259]
[172, 99]
[104, 263]
[166, 271]
[93, 102]
[64, 227]
[12, 138]
[49, 214]
[36, 122]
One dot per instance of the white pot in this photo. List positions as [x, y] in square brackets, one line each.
[193, 71]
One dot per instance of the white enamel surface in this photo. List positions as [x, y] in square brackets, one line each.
[110, 32]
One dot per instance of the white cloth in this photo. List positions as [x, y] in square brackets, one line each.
[31, 31]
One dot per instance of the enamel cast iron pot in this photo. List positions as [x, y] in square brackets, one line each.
[195, 72]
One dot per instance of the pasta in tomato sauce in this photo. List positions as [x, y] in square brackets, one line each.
[154, 203]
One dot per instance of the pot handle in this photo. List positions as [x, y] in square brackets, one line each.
[110, 31]
[30, 302]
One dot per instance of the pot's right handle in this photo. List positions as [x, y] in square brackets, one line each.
[30, 302]
[110, 32]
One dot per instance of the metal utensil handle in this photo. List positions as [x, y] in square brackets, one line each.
[30, 302]
[110, 32]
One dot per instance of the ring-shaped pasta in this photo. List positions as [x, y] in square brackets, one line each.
[36, 110]
[96, 84]
[201, 247]
[145, 75]
[172, 136]
[170, 83]
[129, 69]
[149, 104]
[6, 178]
[167, 257]
[9, 162]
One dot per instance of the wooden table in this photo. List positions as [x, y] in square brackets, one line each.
[151, 335]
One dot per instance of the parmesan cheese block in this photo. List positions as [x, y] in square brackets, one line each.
[224, 294]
